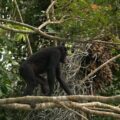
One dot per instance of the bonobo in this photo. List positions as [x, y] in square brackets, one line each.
[47, 60]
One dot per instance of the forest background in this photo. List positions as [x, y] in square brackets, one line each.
[91, 31]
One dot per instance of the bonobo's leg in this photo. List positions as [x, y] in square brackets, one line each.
[44, 86]
[62, 83]
[51, 79]
[29, 89]
[27, 73]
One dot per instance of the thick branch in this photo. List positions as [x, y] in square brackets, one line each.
[97, 104]
[37, 99]
[18, 23]
[71, 105]
[15, 30]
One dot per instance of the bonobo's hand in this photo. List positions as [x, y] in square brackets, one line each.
[45, 89]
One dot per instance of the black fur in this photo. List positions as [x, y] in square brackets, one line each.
[47, 60]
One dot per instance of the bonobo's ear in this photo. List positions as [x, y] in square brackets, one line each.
[62, 44]
[63, 48]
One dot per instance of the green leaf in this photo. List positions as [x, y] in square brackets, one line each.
[4, 89]
[20, 37]
[50, 29]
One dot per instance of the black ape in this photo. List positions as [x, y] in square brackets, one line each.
[47, 60]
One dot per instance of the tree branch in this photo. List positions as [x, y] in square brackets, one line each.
[50, 22]
[96, 40]
[100, 113]
[37, 99]
[49, 8]
[36, 30]
[85, 107]
[18, 23]
[15, 30]
[27, 38]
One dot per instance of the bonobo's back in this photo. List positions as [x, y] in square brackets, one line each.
[44, 54]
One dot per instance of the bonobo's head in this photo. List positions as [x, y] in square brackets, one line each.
[63, 51]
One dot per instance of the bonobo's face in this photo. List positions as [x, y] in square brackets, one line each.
[63, 54]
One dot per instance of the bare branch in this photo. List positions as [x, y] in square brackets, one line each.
[18, 23]
[100, 113]
[44, 34]
[37, 99]
[110, 107]
[17, 106]
[18, 10]
[72, 105]
[96, 40]
[27, 38]
[49, 8]
[15, 30]
[68, 108]
[50, 22]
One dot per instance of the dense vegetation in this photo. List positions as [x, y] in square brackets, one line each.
[91, 29]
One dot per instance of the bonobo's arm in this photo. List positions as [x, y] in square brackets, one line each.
[51, 71]
[62, 83]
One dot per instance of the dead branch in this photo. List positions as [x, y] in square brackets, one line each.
[100, 113]
[19, 23]
[85, 107]
[37, 99]
[68, 108]
[49, 8]
[50, 22]
[27, 38]
[98, 39]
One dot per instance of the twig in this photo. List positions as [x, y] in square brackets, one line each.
[96, 40]
[53, 11]
[50, 22]
[27, 38]
[68, 108]
[18, 10]
[49, 8]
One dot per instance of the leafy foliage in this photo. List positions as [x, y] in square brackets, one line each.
[84, 19]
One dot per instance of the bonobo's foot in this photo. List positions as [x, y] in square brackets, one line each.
[45, 90]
